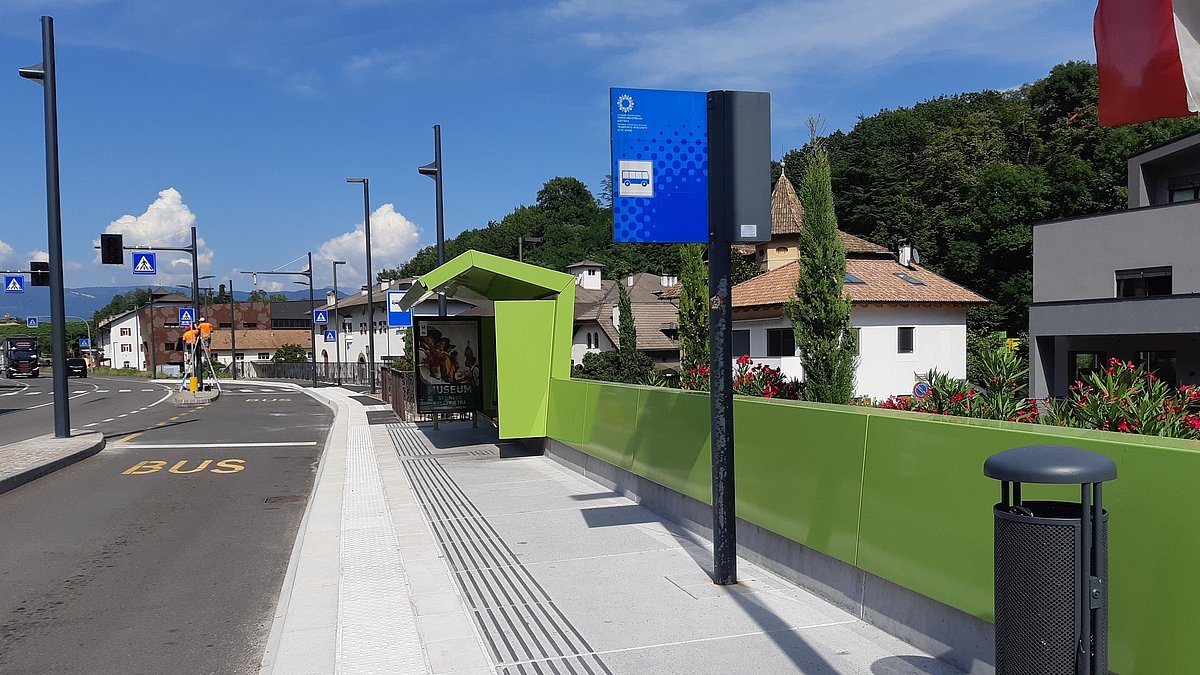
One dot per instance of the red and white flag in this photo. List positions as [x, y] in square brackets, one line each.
[1148, 58]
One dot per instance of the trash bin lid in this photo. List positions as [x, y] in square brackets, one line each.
[1050, 464]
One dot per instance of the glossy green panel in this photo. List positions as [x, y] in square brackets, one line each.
[798, 468]
[671, 444]
[523, 351]
[568, 403]
[927, 525]
[564, 330]
[487, 354]
[611, 423]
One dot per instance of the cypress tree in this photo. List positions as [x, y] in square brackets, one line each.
[693, 308]
[819, 310]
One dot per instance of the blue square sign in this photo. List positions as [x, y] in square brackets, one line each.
[397, 318]
[145, 262]
[186, 316]
[85, 343]
[31, 322]
[320, 316]
[14, 284]
[331, 336]
[659, 165]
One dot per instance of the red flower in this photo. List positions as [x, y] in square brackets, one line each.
[744, 360]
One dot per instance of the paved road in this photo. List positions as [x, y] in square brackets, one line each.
[164, 553]
[116, 406]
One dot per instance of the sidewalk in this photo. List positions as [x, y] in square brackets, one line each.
[424, 552]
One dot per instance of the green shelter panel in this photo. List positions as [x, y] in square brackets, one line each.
[524, 352]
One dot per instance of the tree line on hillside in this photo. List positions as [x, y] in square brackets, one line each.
[963, 178]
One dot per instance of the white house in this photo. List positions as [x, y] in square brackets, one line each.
[908, 319]
[349, 317]
[597, 319]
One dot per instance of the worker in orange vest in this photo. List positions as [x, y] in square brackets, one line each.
[205, 330]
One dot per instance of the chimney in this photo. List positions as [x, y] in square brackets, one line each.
[908, 256]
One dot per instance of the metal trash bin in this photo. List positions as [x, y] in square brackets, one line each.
[1051, 563]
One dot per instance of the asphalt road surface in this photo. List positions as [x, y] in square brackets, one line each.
[164, 553]
[116, 406]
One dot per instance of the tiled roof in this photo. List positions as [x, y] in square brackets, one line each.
[585, 263]
[262, 339]
[882, 286]
[786, 212]
[856, 245]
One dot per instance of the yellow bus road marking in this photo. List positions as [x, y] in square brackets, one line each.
[130, 437]
[224, 466]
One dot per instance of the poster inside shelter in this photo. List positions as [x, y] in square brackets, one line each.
[448, 367]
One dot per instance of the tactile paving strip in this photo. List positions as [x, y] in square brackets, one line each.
[522, 627]
[376, 634]
[408, 443]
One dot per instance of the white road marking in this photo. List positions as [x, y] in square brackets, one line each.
[91, 425]
[124, 391]
[101, 391]
[33, 393]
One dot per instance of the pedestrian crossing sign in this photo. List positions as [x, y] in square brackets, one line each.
[320, 316]
[31, 322]
[144, 262]
[187, 317]
[331, 336]
[14, 284]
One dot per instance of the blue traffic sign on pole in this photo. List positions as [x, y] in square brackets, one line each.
[331, 336]
[921, 389]
[186, 316]
[31, 322]
[14, 284]
[397, 318]
[85, 343]
[320, 316]
[145, 262]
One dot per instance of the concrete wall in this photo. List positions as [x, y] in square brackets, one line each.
[1077, 259]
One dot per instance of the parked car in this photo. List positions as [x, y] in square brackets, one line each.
[76, 367]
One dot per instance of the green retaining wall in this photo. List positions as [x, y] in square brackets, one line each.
[903, 495]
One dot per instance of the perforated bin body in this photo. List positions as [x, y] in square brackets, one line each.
[1038, 589]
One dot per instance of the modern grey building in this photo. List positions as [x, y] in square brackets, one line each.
[1124, 284]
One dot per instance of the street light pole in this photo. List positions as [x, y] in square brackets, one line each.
[521, 246]
[233, 330]
[370, 281]
[45, 73]
[434, 171]
[308, 273]
[337, 323]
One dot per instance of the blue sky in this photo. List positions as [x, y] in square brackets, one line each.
[244, 118]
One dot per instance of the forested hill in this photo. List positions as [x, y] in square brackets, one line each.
[962, 177]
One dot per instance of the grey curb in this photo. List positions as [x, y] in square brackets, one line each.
[89, 444]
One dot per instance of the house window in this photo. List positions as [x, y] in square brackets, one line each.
[1143, 282]
[741, 343]
[126, 332]
[589, 340]
[126, 348]
[168, 346]
[225, 324]
[1084, 363]
[264, 356]
[781, 342]
[241, 356]
[591, 273]
[1162, 364]
[904, 339]
[1188, 194]
[249, 324]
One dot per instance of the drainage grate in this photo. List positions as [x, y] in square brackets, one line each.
[407, 441]
[285, 498]
[522, 627]
[366, 400]
[381, 417]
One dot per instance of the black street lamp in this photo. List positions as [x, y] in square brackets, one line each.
[44, 72]
[521, 241]
[434, 171]
[370, 281]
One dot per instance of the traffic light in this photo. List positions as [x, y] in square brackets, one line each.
[112, 251]
[39, 274]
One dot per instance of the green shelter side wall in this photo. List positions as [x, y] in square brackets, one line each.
[903, 495]
[487, 336]
[524, 356]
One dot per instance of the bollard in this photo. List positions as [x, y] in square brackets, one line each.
[1051, 563]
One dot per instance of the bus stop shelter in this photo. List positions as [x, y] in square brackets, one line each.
[528, 333]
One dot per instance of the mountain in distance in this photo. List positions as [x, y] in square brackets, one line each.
[82, 303]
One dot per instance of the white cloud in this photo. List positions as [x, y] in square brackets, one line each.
[39, 256]
[757, 44]
[5, 253]
[166, 222]
[393, 240]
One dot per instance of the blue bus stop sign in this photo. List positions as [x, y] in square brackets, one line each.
[397, 318]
